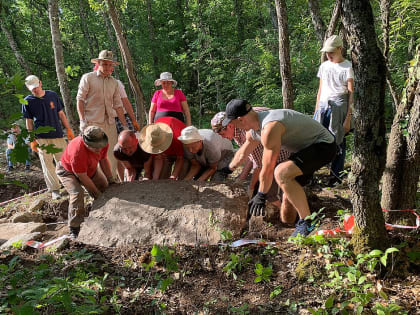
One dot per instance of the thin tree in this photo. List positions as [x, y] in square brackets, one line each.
[369, 136]
[402, 167]
[127, 62]
[317, 20]
[85, 29]
[284, 54]
[335, 18]
[59, 60]
[152, 37]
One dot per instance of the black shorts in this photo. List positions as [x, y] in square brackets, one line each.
[312, 158]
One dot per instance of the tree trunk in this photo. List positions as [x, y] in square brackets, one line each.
[402, 168]
[85, 29]
[335, 17]
[111, 38]
[317, 21]
[284, 55]
[127, 62]
[385, 5]
[369, 137]
[59, 60]
[152, 38]
[15, 48]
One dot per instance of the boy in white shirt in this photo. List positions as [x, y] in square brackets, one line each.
[334, 100]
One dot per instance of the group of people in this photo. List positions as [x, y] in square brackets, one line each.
[283, 147]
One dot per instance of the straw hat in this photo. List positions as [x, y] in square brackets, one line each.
[155, 138]
[165, 76]
[105, 55]
[189, 135]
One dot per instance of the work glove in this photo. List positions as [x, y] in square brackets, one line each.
[226, 170]
[256, 206]
[70, 134]
[83, 125]
[34, 146]
[136, 125]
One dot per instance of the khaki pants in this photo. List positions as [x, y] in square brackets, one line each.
[76, 211]
[47, 163]
[111, 131]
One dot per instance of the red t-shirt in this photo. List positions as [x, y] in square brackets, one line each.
[176, 147]
[77, 158]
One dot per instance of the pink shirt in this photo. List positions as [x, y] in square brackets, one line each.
[173, 104]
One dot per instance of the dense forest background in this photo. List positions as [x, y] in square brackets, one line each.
[216, 50]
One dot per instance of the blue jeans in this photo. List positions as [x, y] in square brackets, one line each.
[9, 162]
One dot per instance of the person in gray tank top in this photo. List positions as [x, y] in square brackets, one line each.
[311, 144]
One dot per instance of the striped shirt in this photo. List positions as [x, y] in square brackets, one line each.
[239, 137]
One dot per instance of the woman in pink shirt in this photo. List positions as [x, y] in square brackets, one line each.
[169, 101]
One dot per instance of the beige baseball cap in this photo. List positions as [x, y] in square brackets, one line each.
[31, 82]
[332, 43]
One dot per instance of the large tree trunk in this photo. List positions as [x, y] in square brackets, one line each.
[12, 43]
[152, 37]
[284, 55]
[385, 7]
[402, 168]
[59, 60]
[369, 137]
[335, 17]
[127, 62]
[317, 21]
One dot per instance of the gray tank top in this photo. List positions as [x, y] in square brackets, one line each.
[301, 130]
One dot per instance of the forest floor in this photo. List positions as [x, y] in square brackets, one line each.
[317, 275]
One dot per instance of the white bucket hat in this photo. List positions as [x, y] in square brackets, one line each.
[190, 135]
[105, 55]
[332, 43]
[155, 138]
[31, 82]
[165, 76]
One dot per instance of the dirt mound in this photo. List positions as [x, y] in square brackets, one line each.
[165, 212]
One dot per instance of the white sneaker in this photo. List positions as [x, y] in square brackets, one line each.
[56, 194]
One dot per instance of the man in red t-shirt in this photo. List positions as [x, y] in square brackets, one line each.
[79, 167]
[164, 157]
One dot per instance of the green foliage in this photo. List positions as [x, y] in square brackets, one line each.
[236, 264]
[263, 273]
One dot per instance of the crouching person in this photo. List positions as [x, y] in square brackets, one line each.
[78, 168]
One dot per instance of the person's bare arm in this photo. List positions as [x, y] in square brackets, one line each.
[89, 184]
[318, 96]
[244, 151]
[194, 169]
[152, 113]
[212, 168]
[106, 168]
[121, 117]
[148, 168]
[29, 124]
[131, 171]
[347, 120]
[179, 162]
[186, 110]
[63, 119]
[271, 140]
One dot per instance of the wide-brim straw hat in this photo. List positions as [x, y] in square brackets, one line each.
[165, 76]
[155, 138]
[105, 55]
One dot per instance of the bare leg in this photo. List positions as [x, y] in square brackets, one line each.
[157, 166]
[285, 174]
[288, 212]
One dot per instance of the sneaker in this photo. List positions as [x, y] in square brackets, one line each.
[303, 227]
[56, 194]
[27, 168]
[74, 232]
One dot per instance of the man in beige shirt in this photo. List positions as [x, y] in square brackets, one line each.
[97, 98]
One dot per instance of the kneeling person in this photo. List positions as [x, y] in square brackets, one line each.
[131, 155]
[78, 168]
[207, 152]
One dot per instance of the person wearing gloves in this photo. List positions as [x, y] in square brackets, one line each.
[99, 101]
[334, 100]
[169, 101]
[312, 146]
[207, 152]
[45, 108]
[79, 169]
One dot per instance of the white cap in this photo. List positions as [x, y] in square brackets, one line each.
[332, 43]
[190, 135]
[31, 82]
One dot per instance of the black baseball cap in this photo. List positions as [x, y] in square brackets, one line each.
[234, 109]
